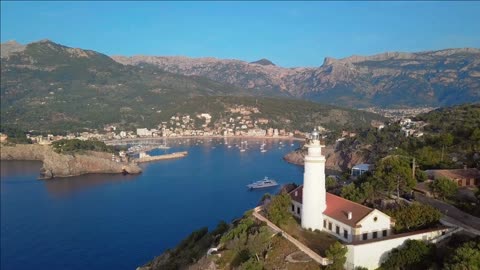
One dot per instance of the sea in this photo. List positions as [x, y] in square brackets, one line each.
[112, 221]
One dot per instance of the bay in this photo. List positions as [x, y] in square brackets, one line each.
[121, 222]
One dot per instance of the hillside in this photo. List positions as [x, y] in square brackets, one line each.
[49, 87]
[433, 78]
[282, 113]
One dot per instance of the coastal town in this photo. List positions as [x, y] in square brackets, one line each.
[237, 121]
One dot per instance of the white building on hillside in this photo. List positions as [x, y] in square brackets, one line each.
[366, 232]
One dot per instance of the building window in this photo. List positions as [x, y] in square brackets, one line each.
[345, 234]
[293, 207]
[384, 233]
[337, 229]
[365, 236]
[374, 235]
[330, 226]
[375, 219]
[324, 224]
[298, 210]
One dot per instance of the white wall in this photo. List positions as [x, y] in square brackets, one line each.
[296, 206]
[369, 225]
[371, 255]
[342, 227]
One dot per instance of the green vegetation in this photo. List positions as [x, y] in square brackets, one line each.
[444, 187]
[65, 146]
[415, 216]
[189, 250]
[15, 135]
[393, 173]
[413, 255]
[336, 253]
[277, 211]
[458, 253]
[467, 256]
[451, 139]
[331, 183]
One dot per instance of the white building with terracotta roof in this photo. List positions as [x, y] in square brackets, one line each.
[366, 232]
[319, 210]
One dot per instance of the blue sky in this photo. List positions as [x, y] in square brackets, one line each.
[288, 33]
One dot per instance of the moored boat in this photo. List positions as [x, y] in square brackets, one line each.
[266, 182]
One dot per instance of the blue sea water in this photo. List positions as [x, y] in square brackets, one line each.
[121, 222]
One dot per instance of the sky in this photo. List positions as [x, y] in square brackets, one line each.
[288, 33]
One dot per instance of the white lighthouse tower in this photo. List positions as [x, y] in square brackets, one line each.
[314, 200]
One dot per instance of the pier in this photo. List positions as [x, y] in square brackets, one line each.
[148, 158]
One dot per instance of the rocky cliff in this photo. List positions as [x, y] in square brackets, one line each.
[336, 160]
[442, 77]
[60, 165]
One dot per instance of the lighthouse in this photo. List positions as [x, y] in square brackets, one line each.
[314, 194]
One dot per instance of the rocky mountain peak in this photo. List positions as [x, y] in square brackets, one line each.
[10, 47]
[263, 62]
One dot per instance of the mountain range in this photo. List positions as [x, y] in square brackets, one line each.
[48, 86]
[433, 78]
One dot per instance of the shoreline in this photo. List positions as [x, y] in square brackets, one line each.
[206, 137]
[55, 165]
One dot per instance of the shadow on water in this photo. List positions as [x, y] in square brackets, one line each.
[58, 187]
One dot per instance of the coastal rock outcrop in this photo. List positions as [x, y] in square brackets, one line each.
[337, 160]
[64, 165]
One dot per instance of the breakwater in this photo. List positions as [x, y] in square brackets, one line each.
[162, 157]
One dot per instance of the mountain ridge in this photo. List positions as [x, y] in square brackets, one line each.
[433, 78]
[392, 79]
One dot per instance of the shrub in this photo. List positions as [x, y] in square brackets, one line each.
[336, 253]
[413, 255]
[414, 217]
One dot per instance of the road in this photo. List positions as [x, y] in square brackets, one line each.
[452, 214]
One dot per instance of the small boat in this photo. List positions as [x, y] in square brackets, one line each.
[263, 183]
[263, 150]
[163, 146]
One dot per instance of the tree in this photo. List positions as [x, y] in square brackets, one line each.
[394, 173]
[421, 176]
[475, 138]
[445, 139]
[336, 253]
[277, 210]
[466, 256]
[368, 190]
[413, 254]
[444, 187]
[414, 217]
[330, 183]
[352, 193]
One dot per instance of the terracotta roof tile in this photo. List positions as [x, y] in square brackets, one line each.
[471, 173]
[337, 207]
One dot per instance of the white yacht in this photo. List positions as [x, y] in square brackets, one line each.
[263, 183]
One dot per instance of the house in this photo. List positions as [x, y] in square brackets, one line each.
[347, 220]
[360, 169]
[463, 177]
